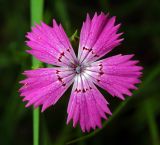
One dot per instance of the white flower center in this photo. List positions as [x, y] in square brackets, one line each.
[78, 69]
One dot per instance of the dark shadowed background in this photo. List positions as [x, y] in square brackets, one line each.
[138, 123]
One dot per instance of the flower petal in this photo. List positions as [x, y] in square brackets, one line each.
[117, 74]
[45, 86]
[98, 37]
[50, 44]
[86, 105]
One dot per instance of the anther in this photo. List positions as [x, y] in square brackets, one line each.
[78, 69]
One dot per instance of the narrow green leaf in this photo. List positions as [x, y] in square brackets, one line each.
[153, 128]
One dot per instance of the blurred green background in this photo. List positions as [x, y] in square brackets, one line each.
[138, 123]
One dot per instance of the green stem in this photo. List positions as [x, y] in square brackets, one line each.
[36, 17]
[36, 126]
[36, 11]
[149, 78]
[152, 123]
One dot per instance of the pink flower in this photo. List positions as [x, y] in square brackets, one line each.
[45, 86]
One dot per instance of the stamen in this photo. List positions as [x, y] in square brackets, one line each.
[78, 69]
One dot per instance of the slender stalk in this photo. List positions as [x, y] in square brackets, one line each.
[152, 123]
[155, 72]
[36, 17]
[36, 126]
